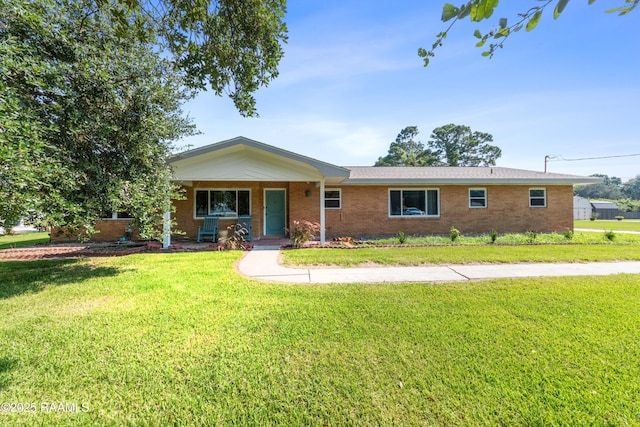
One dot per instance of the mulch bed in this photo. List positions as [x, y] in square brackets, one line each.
[77, 250]
[69, 251]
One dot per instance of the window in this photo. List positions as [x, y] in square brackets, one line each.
[223, 203]
[412, 203]
[477, 197]
[537, 198]
[116, 215]
[333, 199]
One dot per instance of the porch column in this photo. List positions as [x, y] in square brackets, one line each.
[322, 222]
[166, 228]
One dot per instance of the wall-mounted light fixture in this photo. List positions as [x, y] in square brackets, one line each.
[307, 193]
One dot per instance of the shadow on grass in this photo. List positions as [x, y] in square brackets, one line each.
[19, 277]
[6, 364]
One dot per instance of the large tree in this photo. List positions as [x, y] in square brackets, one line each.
[458, 145]
[90, 96]
[495, 37]
[450, 145]
[88, 118]
[406, 151]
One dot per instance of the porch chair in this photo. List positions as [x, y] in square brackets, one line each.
[245, 221]
[210, 228]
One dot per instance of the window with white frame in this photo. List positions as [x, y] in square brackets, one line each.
[538, 197]
[477, 197]
[414, 202]
[333, 198]
[116, 215]
[227, 203]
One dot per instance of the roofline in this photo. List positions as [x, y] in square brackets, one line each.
[468, 181]
[326, 169]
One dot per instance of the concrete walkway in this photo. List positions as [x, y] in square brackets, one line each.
[263, 265]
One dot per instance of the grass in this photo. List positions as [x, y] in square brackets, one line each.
[181, 339]
[609, 224]
[585, 247]
[23, 239]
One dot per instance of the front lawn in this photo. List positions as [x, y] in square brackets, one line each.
[23, 239]
[461, 255]
[609, 224]
[584, 247]
[182, 339]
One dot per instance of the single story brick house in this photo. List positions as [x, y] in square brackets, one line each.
[241, 178]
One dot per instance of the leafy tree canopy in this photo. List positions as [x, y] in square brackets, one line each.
[231, 46]
[450, 145]
[90, 97]
[480, 10]
[611, 188]
[406, 151]
[88, 118]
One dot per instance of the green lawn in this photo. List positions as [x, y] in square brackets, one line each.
[584, 247]
[609, 224]
[23, 239]
[181, 339]
[462, 255]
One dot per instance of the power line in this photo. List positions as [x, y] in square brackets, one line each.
[562, 159]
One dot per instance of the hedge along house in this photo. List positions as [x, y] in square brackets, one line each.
[241, 178]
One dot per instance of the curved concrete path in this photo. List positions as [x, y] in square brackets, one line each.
[263, 265]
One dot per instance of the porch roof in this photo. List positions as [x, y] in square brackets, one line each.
[243, 159]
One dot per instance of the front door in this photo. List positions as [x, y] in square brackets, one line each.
[274, 212]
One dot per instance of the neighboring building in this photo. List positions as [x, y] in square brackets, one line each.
[605, 210]
[581, 208]
[241, 178]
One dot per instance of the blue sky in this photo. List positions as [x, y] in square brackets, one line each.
[351, 80]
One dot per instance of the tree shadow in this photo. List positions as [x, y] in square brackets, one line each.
[22, 277]
[6, 364]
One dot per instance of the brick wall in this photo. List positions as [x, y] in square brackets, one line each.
[184, 215]
[365, 212]
[109, 230]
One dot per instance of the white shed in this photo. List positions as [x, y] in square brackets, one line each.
[581, 208]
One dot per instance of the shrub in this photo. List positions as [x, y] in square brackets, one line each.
[402, 237]
[619, 217]
[454, 233]
[303, 231]
[568, 234]
[493, 235]
[610, 235]
[594, 216]
[531, 236]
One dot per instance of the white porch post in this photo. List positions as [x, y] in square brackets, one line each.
[166, 240]
[322, 223]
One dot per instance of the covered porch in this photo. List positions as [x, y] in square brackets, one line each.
[242, 180]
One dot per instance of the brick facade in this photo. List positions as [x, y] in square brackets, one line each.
[364, 210]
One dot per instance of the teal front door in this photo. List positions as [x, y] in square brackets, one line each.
[275, 212]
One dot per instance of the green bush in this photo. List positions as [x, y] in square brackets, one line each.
[531, 236]
[454, 233]
[610, 235]
[568, 234]
[402, 237]
[493, 235]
